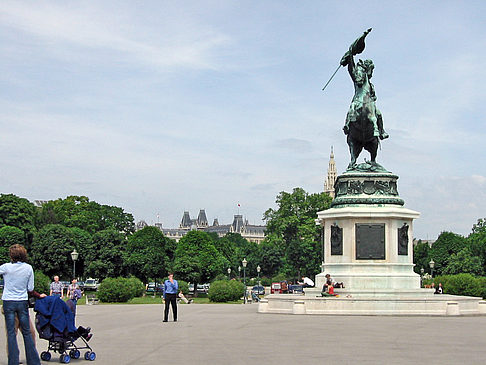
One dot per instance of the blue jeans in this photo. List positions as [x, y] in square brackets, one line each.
[21, 308]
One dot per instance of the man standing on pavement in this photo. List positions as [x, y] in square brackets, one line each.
[56, 287]
[171, 288]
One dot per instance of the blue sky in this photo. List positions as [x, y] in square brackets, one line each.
[163, 106]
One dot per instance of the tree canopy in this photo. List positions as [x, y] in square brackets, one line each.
[292, 229]
[149, 253]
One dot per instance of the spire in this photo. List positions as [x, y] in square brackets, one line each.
[202, 220]
[331, 175]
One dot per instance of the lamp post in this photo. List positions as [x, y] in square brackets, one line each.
[229, 273]
[258, 273]
[244, 262]
[74, 256]
[432, 265]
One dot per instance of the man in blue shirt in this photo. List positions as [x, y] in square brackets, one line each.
[171, 289]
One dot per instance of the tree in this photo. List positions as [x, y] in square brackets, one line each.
[105, 255]
[148, 252]
[464, 262]
[292, 228]
[20, 213]
[447, 243]
[271, 258]
[476, 241]
[51, 251]
[196, 258]
[8, 237]
[79, 211]
[421, 256]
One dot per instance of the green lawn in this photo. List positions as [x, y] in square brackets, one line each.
[149, 299]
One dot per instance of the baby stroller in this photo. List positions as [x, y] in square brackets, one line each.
[54, 322]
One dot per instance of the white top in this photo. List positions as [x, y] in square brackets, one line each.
[308, 281]
[18, 279]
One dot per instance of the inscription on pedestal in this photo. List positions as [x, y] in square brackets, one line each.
[370, 241]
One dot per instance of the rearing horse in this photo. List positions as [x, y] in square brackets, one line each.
[362, 121]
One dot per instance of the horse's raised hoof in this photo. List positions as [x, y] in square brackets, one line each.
[384, 135]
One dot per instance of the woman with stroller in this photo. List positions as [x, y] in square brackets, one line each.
[19, 279]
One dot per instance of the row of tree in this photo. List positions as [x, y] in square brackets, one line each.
[453, 253]
[108, 246]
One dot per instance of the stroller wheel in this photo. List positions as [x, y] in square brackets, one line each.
[91, 356]
[65, 359]
[45, 356]
[75, 354]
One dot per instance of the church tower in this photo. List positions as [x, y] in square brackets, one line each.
[331, 176]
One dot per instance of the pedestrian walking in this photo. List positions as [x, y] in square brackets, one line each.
[56, 288]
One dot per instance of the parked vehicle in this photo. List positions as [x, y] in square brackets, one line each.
[258, 290]
[91, 284]
[151, 288]
[203, 288]
[276, 288]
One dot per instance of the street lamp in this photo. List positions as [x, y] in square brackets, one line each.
[74, 256]
[258, 273]
[244, 262]
[229, 273]
[431, 265]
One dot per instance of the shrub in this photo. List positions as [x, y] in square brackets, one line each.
[482, 284]
[115, 290]
[183, 286]
[225, 291]
[41, 283]
[460, 284]
[136, 286]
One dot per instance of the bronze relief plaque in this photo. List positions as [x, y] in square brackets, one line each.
[370, 241]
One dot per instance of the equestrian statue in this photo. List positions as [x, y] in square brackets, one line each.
[364, 121]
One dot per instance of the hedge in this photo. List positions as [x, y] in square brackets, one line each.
[462, 284]
[225, 291]
[117, 290]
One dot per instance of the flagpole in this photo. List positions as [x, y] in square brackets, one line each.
[327, 83]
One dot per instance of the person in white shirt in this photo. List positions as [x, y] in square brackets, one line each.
[18, 279]
[307, 282]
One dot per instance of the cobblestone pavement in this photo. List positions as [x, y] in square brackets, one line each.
[236, 334]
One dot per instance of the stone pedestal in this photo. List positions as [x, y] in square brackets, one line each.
[368, 235]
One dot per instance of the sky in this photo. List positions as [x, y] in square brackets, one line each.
[165, 106]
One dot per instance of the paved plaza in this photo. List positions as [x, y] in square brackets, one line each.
[236, 334]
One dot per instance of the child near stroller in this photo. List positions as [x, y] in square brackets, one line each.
[54, 322]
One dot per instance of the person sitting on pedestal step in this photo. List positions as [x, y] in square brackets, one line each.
[328, 290]
[334, 284]
[307, 282]
[439, 289]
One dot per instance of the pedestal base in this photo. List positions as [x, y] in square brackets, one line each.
[419, 302]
